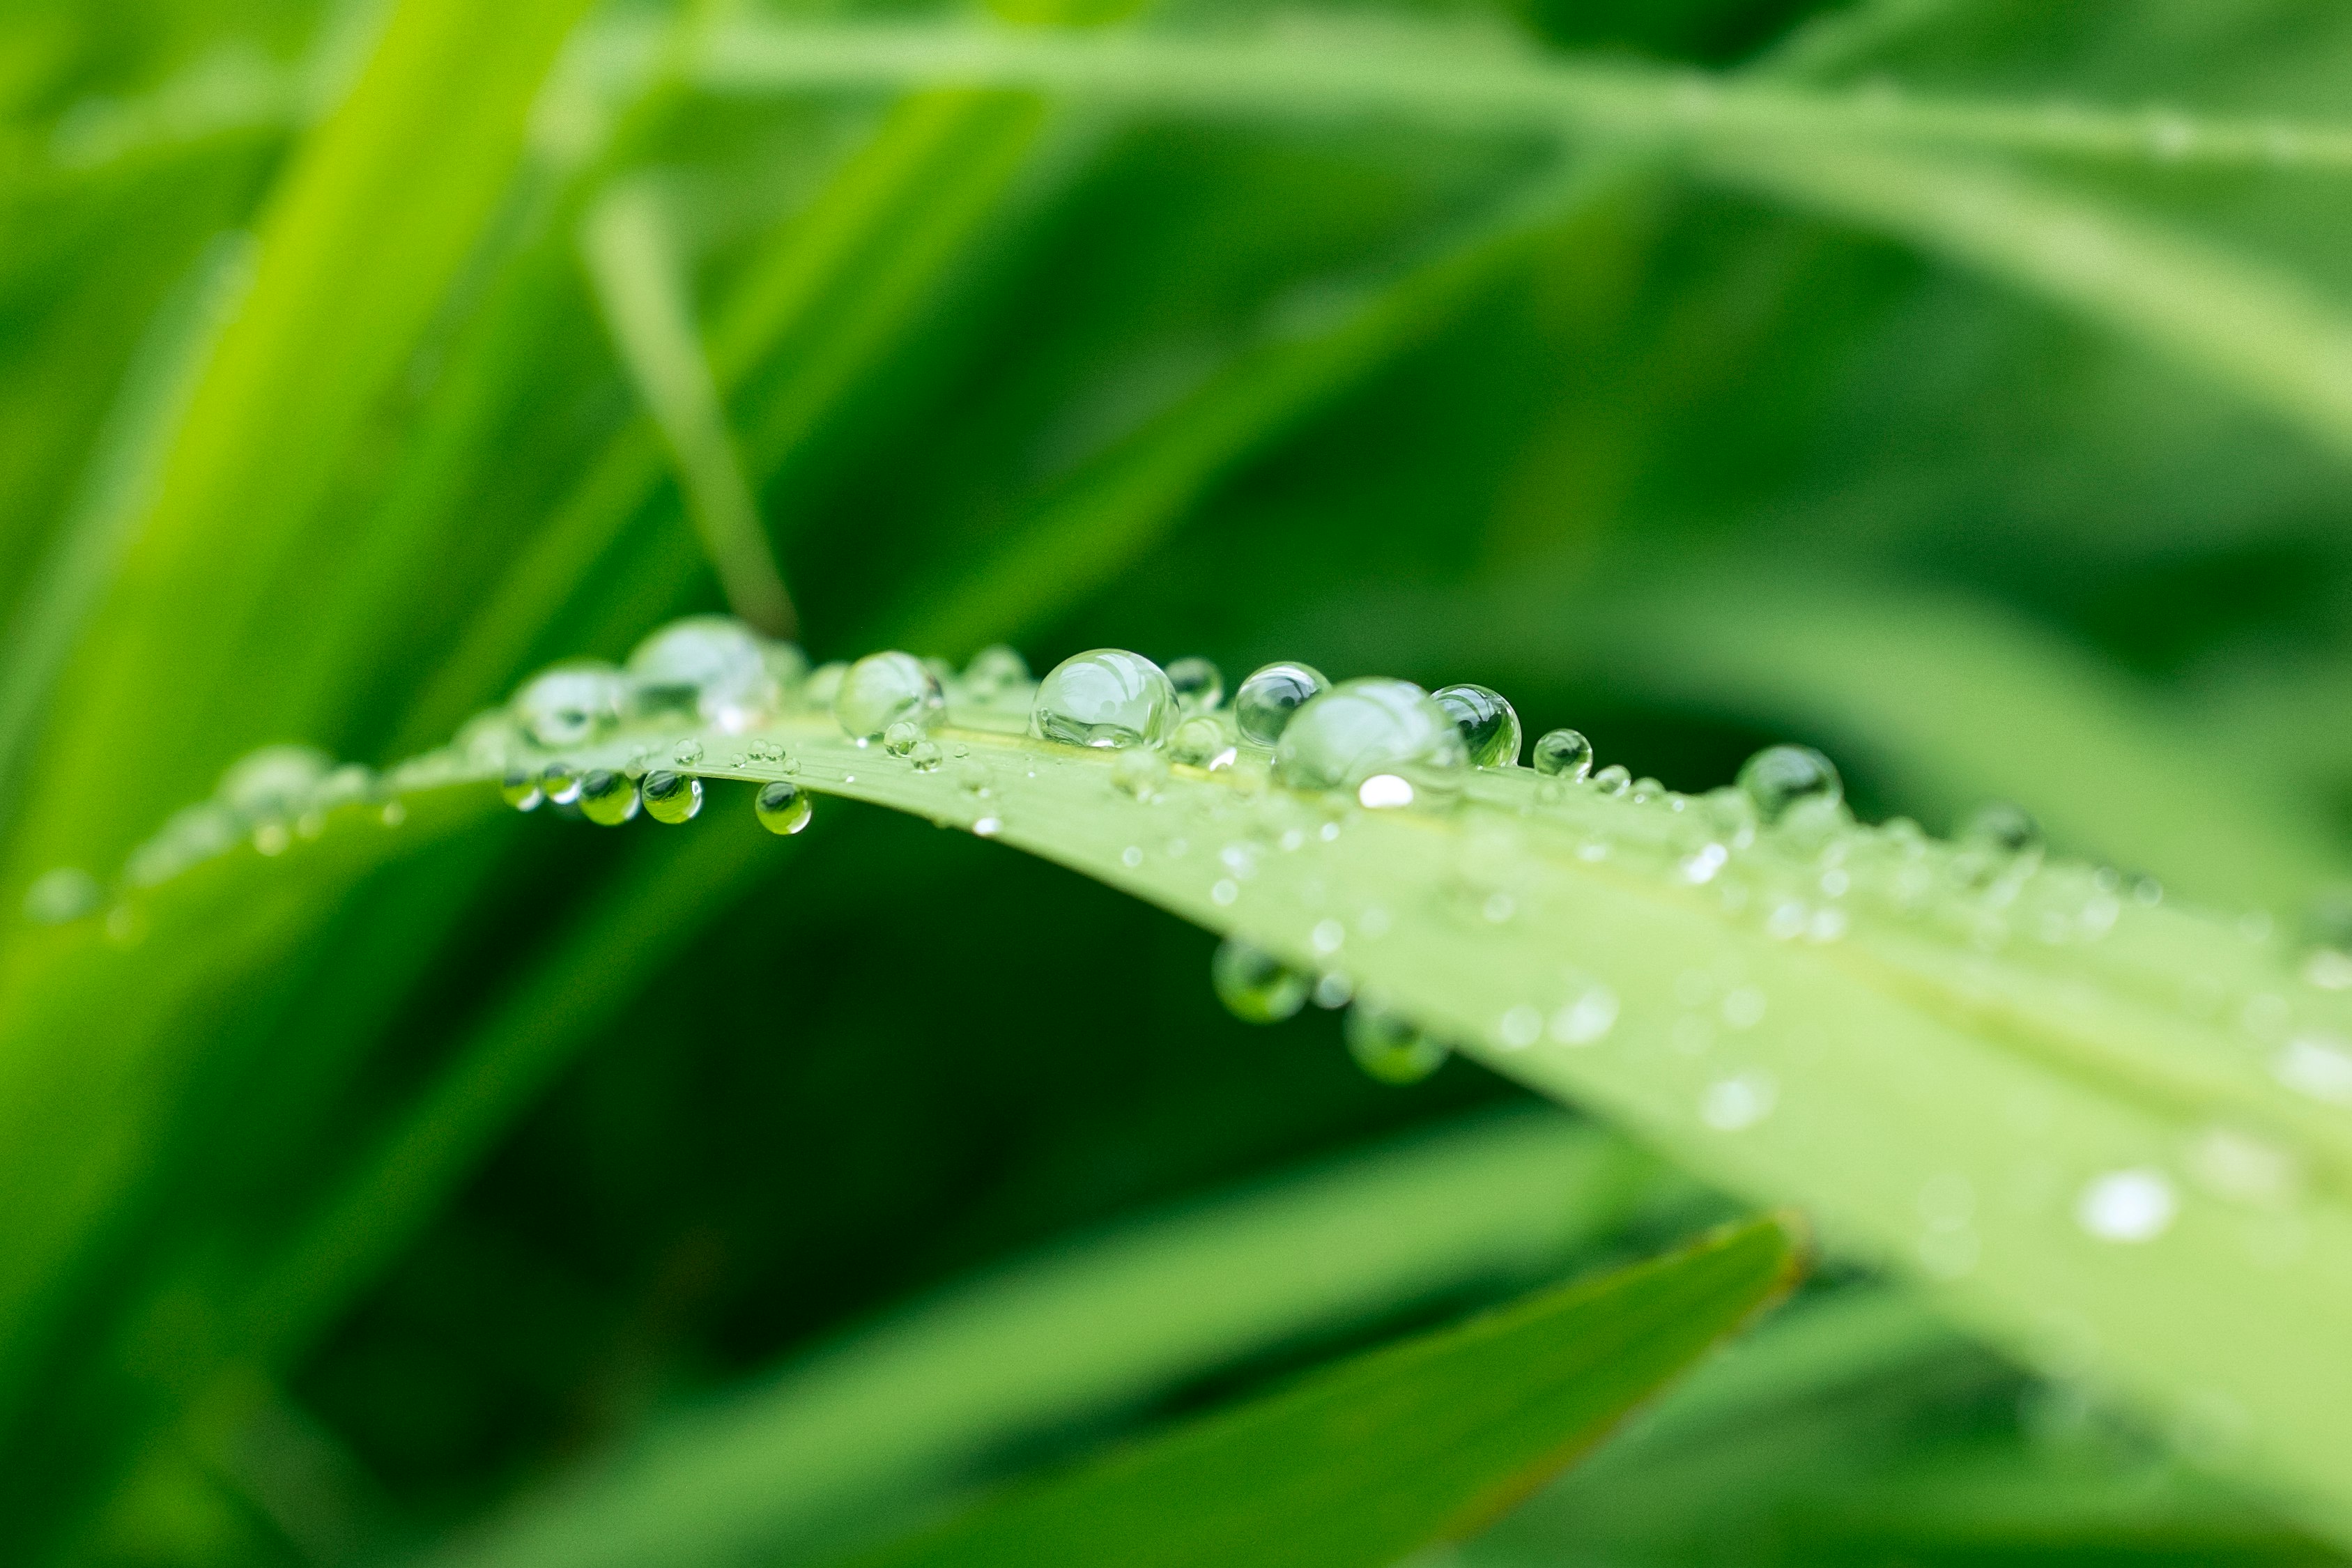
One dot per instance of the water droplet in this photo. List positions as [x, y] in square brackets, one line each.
[1201, 742]
[671, 797]
[1488, 724]
[994, 671]
[900, 738]
[783, 807]
[688, 753]
[571, 703]
[1327, 935]
[1139, 774]
[1382, 790]
[607, 798]
[1200, 684]
[1731, 1104]
[1256, 986]
[2002, 829]
[1587, 1020]
[1264, 703]
[273, 782]
[1390, 1047]
[1614, 779]
[1563, 753]
[1520, 1028]
[925, 755]
[61, 896]
[521, 790]
[2243, 1168]
[2132, 1205]
[713, 667]
[1361, 729]
[884, 689]
[560, 784]
[822, 686]
[1779, 779]
[1105, 697]
[988, 827]
[1333, 991]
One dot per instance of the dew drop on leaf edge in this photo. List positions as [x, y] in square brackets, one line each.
[1779, 779]
[1268, 697]
[1256, 986]
[886, 689]
[1563, 754]
[1488, 724]
[671, 799]
[1390, 1047]
[783, 807]
[607, 798]
[1200, 684]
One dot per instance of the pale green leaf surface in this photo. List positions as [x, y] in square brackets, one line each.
[911, 1403]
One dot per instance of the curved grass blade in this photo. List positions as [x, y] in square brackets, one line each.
[1412, 1442]
[2116, 1110]
[907, 1405]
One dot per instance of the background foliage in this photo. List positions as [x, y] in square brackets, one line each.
[361, 359]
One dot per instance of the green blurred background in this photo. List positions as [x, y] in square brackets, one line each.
[1997, 473]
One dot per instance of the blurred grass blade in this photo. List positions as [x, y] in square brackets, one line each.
[642, 286]
[116, 489]
[364, 233]
[2262, 333]
[1102, 521]
[909, 1404]
[1406, 1444]
[1449, 76]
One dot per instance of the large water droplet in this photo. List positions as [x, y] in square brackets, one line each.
[1488, 724]
[1200, 684]
[884, 689]
[1389, 1045]
[607, 798]
[671, 797]
[1106, 697]
[783, 807]
[2128, 1205]
[1563, 753]
[1363, 731]
[1264, 703]
[1256, 986]
[713, 667]
[571, 703]
[1779, 779]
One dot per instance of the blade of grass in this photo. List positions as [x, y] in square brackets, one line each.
[909, 1404]
[1418, 1441]
[641, 286]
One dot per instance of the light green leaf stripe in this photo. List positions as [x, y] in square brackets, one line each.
[1096, 1323]
[2087, 1120]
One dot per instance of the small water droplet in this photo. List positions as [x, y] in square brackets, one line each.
[995, 671]
[1390, 1047]
[1614, 779]
[607, 798]
[1199, 685]
[900, 737]
[1201, 742]
[1265, 700]
[1780, 779]
[1327, 935]
[783, 807]
[1563, 753]
[571, 703]
[671, 797]
[1520, 1028]
[1333, 991]
[987, 826]
[560, 784]
[1139, 775]
[1132, 857]
[1105, 697]
[925, 755]
[1224, 891]
[521, 790]
[884, 689]
[1487, 723]
[273, 782]
[2002, 829]
[1256, 986]
[2133, 1205]
[1362, 729]
[1383, 791]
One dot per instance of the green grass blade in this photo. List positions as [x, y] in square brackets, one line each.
[1843, 1022]
[1094, 1325]
[1409, 1444]
[116, 488]
[642, 288]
